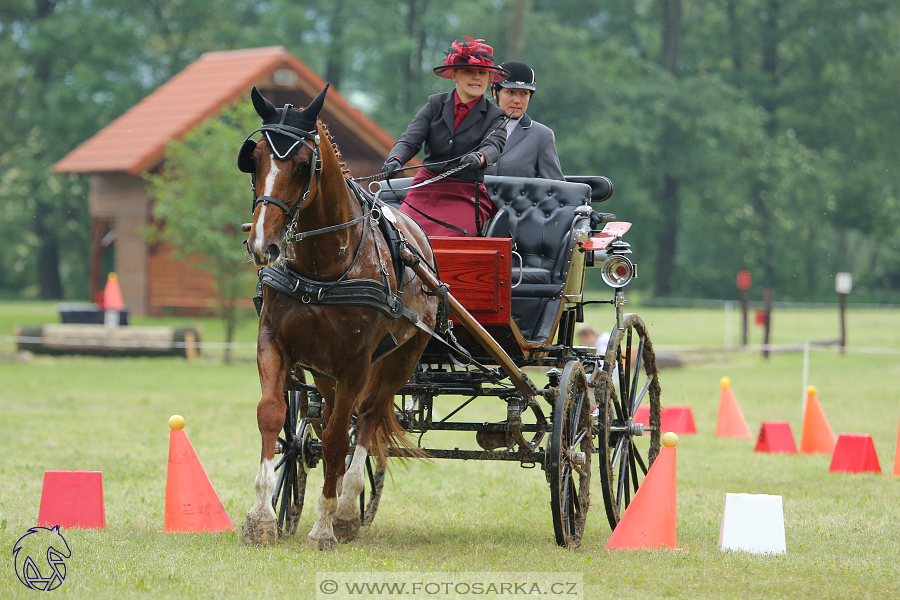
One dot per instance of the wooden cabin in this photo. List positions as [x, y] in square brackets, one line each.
[117, 157]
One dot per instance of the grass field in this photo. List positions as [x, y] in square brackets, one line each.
[76, 413]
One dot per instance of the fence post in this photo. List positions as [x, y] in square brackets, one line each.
[767, 302]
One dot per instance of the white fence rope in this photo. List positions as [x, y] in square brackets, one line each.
[160, 344]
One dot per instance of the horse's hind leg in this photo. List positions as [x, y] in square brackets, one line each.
[347, 520]
[260, 527]
[335, 442]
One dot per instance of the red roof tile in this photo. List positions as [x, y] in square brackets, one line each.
[135, 142]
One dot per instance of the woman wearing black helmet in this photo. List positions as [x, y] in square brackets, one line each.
[458, 129]
[530, 149]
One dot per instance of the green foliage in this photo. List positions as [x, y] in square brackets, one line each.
[198, 199]
[776, 119]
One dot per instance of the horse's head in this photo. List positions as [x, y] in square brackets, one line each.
[283, 163]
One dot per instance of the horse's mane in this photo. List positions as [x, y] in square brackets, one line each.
[337, 152]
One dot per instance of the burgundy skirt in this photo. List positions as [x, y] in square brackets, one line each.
[449, 200]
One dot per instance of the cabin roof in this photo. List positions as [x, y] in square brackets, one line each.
[136, 141]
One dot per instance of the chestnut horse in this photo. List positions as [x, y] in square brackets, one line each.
[307, 218]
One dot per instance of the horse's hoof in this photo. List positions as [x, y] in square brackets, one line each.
[258, 533]
[346, 530]
[325, 544]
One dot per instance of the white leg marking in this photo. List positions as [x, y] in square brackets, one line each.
[354, 483]
[267, 190]
[265, 487]
[323, 528]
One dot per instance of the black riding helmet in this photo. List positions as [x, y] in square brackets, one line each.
[521, 77]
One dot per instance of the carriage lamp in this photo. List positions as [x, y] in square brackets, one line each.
[617, 271]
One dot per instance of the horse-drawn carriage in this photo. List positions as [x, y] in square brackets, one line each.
[408, 321]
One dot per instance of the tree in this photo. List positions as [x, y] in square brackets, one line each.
[199, 197]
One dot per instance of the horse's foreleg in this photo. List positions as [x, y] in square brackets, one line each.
[260, 526]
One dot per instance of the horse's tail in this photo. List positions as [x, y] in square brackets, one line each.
[390, 434]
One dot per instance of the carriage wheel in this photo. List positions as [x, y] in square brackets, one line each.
[571, 446]
[295, 462]
[290, 488]
[625, 453]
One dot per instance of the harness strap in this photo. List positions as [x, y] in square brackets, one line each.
[305, 234]
[352, 292]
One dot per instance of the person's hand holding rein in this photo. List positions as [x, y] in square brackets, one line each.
[391, 167]
[473, 160]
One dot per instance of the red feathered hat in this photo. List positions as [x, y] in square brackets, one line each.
[473, 54]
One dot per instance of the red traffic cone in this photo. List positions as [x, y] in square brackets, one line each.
[677, 419]
[650, 521]
[776, 437]
[112, 295]
[730, 422]
[192, 504]
[72, 499]
[816, 436]
[854, 453]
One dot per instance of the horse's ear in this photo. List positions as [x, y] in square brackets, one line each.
[263, 107]
[309, 114]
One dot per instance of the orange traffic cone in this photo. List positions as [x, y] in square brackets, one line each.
[112, 295]
[650, 520]
[192, 504]
[897, 456]
[731, 422]
[816, 436]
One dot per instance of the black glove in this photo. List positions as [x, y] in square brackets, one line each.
[391, 167]
[471, 161]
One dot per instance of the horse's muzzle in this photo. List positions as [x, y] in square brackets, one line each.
[272, 253]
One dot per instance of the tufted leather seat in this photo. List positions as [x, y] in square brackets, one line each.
[538, 215]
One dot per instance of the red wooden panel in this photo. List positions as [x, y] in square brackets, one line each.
[477, 271]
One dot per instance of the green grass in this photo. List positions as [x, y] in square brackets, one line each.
[110, 415]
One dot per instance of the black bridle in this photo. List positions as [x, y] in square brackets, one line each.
[309, 139]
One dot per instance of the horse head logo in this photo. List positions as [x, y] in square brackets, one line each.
[40, 556]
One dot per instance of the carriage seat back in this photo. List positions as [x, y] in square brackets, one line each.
[538, 214]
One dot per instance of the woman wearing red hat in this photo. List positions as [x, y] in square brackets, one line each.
[458, 128]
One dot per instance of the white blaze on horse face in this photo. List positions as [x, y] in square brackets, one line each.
[265, 489]
[259, 243]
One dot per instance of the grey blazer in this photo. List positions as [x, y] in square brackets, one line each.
[483, 129]
[530, 151]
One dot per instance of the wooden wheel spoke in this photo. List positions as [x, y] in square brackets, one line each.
[633, 468]
[286, 498]
[636, 369]
[640, 459]
[640, 397]
[623, 478]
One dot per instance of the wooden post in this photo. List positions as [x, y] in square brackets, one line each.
[843, 301]
[743, 284]
[767, 303]
[843, 285]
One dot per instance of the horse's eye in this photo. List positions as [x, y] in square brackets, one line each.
[302, 167]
